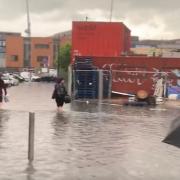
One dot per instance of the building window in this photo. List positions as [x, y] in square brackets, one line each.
[43, 59]
[2, 43]
[2, 49]
[42, 46]
[14, 58]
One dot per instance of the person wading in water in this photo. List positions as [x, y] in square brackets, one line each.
[2, 87]
[59, 94]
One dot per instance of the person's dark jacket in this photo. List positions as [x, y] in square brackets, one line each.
[59, 91]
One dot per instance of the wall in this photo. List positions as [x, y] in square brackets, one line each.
[2, 52]
[14, 47]
[42, 51]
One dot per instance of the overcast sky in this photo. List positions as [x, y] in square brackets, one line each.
[146, 18]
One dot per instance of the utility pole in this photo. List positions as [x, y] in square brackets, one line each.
[58, 55]
[28, 40]
[56, 41]
[111, 10]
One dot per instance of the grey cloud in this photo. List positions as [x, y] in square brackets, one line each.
[136, 11]
[15, 8]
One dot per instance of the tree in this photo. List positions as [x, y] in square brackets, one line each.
[64, 56]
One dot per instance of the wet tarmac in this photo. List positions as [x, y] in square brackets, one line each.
[85, 142]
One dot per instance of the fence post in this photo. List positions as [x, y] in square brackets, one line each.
[70, 80]
[74, 83]
[110, 84]
[100, 92]
[31, 136]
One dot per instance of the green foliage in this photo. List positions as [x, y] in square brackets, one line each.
[64, 57]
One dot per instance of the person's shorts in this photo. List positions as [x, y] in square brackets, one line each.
[60, 101]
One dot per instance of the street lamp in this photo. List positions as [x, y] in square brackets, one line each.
[28, 31]
[56, 40]
[28, 39]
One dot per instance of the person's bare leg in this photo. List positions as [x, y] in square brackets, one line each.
[60, 109]
[1, 105]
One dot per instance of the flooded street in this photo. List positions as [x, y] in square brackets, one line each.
[118, 143]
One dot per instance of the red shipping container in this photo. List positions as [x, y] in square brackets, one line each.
[131, 74]
[100, 39]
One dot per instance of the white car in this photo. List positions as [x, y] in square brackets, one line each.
[6, 80]
[53, 72]
[34, 77]
[25, 75]
[10, 80]
[28, 76]
[13, 81]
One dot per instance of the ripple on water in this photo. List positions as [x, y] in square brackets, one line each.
[83, 143]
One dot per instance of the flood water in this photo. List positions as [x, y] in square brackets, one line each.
[85, 142]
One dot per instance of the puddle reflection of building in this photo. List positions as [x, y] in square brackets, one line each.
[60, 124]
[4, 117]
[90, 106]
[30, 170]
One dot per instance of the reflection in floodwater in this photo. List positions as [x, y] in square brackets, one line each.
[3, 125]
[84, 142]
[60, 123]
[30, 170]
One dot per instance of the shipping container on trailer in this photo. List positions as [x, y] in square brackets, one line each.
[101, 39]
[131, 74]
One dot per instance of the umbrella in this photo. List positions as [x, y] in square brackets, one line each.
[173, 138]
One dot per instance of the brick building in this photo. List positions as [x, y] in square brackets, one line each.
[14, 55]
[42, 52]
[3, 44]
[13, 51]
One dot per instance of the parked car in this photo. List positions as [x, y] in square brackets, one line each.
[6, 81]
[25, 75]
[13, 81]
[18, 77]
[34, 77]
[53, 72]
[9, 80]
[29, 76]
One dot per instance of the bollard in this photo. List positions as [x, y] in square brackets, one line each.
[31, 136]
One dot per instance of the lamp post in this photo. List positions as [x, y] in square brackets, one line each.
[28, 39]
[28, 31]
[58, 56]
[56, 40]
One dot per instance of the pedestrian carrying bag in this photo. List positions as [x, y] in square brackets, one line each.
[67, 99]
